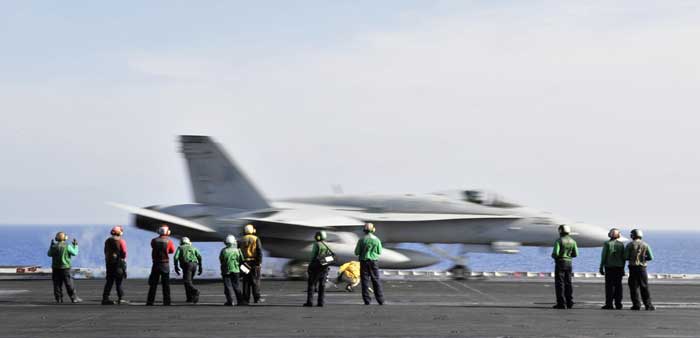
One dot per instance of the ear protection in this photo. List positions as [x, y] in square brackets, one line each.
[249, 229]
[369, 228]
[164, 231]
[117, 230]
[320, 236]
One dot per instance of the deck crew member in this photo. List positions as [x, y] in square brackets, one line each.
[252, 253]
[638, 253]
[61, 254]
[612, 265]
[565, 249]
[189, 258]
[368, 250]
[231, 259]
[321, 257]
[161, 248]
[115, 265]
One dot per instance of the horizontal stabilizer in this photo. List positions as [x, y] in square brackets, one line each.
[162, 217]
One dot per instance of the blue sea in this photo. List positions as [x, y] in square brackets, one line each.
[675, 252]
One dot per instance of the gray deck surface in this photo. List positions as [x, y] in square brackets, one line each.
[414, 308]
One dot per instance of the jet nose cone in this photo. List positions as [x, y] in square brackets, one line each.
[589, 234]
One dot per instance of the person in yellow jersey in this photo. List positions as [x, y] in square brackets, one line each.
[252, 257]
[349, 273]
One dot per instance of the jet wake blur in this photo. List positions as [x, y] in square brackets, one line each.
[225, 200]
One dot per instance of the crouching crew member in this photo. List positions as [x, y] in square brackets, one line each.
[161, 248]
[565, 249]
[61, 254]
[231, 259]
[638, 253]
[252, 254]
[368, 250]
[189, 258]
[350, 274]
[321, 257]
[612, 265]
[115, 265]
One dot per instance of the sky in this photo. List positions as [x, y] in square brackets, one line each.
[587, 109]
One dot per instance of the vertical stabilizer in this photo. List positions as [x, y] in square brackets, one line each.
[215, 178]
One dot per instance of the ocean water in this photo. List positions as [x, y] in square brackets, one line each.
[675, 252]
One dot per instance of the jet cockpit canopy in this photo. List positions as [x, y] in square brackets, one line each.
[487, 198]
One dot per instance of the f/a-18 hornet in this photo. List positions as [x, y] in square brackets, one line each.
[226, 200]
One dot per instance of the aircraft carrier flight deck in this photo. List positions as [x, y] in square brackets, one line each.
[414, 308]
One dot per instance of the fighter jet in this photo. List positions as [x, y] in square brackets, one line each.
[225, 200]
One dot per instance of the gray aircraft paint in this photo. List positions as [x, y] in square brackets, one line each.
[227, 200]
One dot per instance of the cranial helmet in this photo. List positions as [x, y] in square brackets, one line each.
[614, 233]
[369, 227]
[186, 240]
[249, 229]
[61, 236]
[230, 240]
[321, 236]
[164, 230]
[117, 231]
[636, 233]
[564, 229]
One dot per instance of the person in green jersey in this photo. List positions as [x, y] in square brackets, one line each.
[368, 250]
[638, 253]
[231, 259]
[189, 258]
[565, 249]
[321, 257]
[612, 265]
[61, 254]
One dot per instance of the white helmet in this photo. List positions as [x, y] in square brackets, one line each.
[230, 240]
[164, 230]
[186, 240]
[564, 229]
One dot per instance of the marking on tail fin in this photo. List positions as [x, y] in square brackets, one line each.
[215, 178]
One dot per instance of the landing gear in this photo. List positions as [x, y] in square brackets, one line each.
[296, 270]
[460, 272]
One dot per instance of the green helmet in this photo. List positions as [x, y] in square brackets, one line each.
[321, 236]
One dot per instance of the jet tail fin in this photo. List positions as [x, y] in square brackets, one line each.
[215, 178]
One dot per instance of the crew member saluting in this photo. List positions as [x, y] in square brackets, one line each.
[61, 254]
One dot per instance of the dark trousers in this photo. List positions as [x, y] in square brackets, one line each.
[317, 276]
[369, 272]
[159, 272]
[188, 272]
[613, 285]
[231, 287]
[638, 281]
[251, 284]
[563, 287]
[114, 276]
[61, 277]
